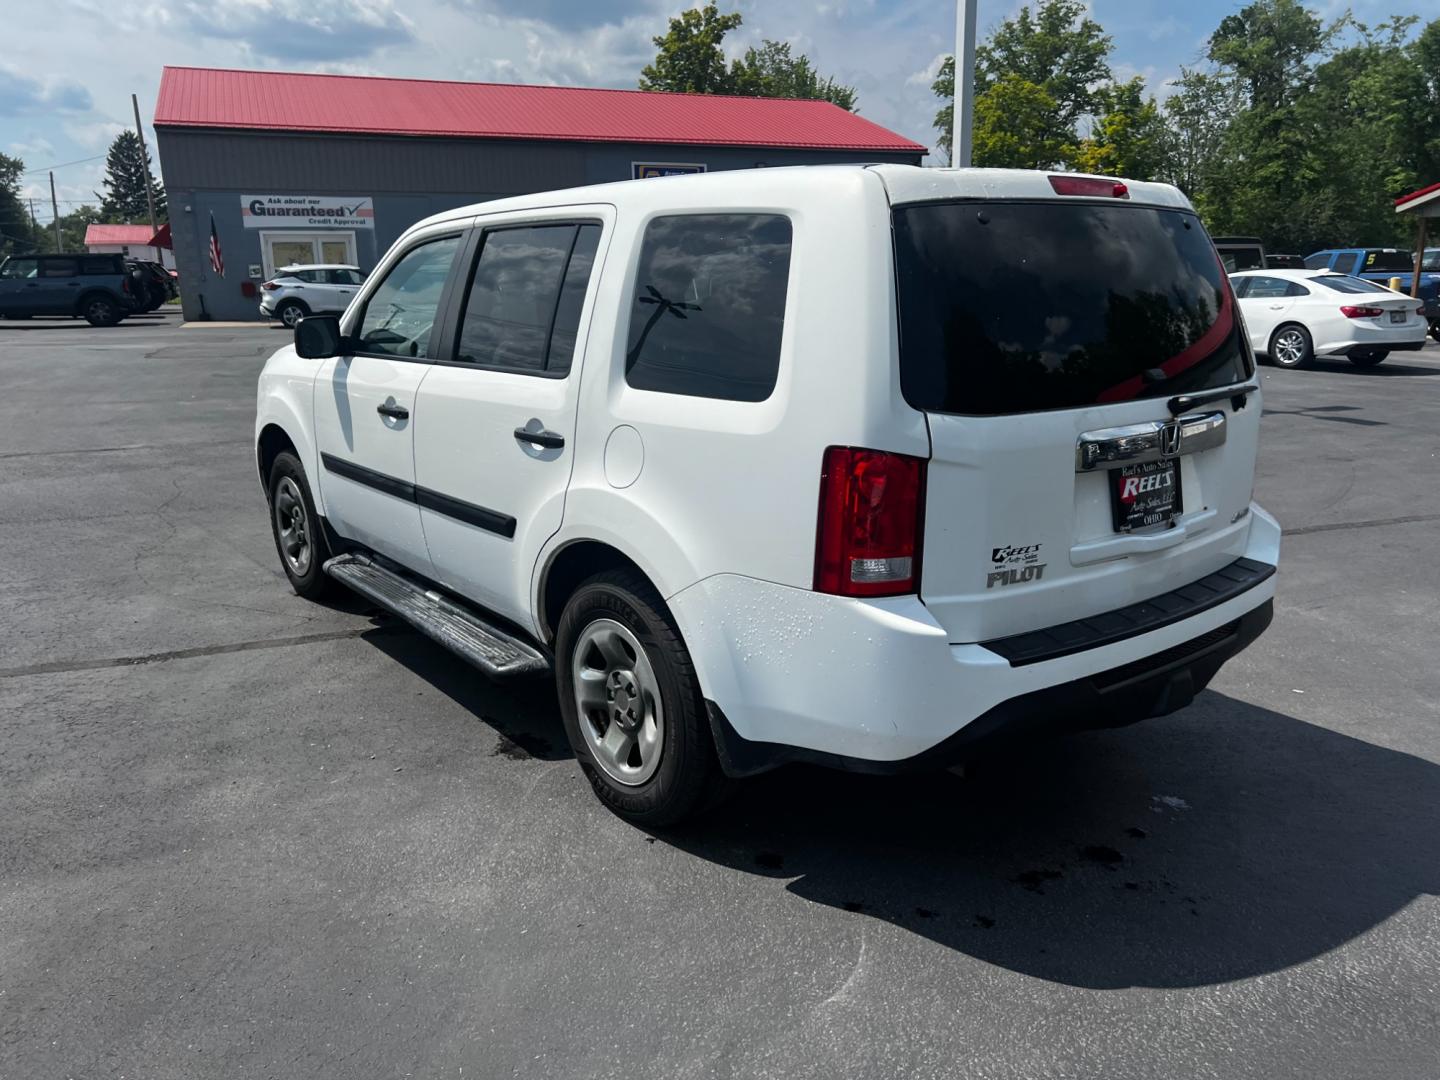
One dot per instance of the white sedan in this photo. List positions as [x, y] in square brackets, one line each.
[1294, 316]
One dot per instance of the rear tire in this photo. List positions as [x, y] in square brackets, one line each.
[299, 537]
[638, 694]
[1368, 358]
[1291, 347]
[100, 311]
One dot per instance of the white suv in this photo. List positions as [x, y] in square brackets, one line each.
[297, 291]
[866, 466]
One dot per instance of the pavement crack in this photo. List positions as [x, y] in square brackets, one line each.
[1409, 519]
[60, 667]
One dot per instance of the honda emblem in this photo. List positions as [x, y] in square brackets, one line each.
[1170, 439]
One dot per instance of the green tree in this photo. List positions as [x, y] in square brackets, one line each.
[16, 235]
[1056, 47]
[1197, 115]
[1011, 126]
[127, 172]
[1269, 47]
[72, 228]
[690, 60]
[771, 71]
[1129, 137]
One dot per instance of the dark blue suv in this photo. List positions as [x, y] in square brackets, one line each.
[97, 288]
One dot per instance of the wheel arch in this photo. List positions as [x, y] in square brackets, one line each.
[567, 567]
[91, 293]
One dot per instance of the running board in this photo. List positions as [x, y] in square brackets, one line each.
[494, 651]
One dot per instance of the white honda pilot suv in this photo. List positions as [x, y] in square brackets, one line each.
[865, 466]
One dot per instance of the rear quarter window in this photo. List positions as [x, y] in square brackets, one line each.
[1012, 307]
[708, 310]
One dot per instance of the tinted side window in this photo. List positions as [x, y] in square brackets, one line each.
[97, 265]
[59, 267]
[1266, 288]
[344, 277]
[401, 313]
[1241, 286]
[1294, 288]
[20, 268]
[709, 306]
[1318, 261]
[513, 295]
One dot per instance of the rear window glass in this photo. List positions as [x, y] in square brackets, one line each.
[1344, 284]
[1377, 262]
[1009, 307]
[709, 306]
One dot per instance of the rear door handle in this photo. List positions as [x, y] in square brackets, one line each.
[395, 412]
[549, 439]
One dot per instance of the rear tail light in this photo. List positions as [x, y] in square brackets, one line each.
[125, 284]
[1094, 186]
[868, 539]
[1350, 311]
[1419, 309]
[270, 286]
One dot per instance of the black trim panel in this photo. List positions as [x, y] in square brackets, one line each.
[470, 513]
[1065, 639]
[1152, 686]
[369, 477]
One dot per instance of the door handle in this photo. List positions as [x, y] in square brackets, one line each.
[1277, 307]
[395, 412]
[548, 439]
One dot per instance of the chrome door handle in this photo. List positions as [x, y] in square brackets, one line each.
[549, 439]
[395, 412]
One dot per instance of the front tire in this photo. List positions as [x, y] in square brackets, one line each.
[299, 538]
[291, 312]
[1368, 358]
[632, 705]
[1291, 347]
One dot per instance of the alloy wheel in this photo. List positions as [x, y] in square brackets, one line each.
[617, 700]
[1289, 348]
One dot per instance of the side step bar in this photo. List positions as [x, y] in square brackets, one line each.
[464, 632]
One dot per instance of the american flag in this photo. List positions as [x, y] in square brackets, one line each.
[217, 260]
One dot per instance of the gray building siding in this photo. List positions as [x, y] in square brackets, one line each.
[206, 172]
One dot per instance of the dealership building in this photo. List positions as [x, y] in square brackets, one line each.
[287, 168]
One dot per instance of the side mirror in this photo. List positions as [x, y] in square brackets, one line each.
[317, 337]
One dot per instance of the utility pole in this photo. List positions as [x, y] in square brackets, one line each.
[964, 108]
[34, 229]
[55, 209]
[145, 160]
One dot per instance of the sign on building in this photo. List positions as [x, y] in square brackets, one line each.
[307, 212]
[643, 170]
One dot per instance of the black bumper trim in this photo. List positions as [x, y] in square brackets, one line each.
[1052, 642]
[1152, 686]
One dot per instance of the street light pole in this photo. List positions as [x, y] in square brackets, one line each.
[145, 160]
[964, 108]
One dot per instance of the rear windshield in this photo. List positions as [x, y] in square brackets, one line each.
[1344, 283]
[1377, 262]
[1009, 307]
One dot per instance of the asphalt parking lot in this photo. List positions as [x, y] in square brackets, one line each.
[248, 836]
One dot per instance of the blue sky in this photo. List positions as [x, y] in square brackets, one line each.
[69, 66]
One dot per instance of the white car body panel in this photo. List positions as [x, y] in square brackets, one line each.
[1331, 332]
[716, 500]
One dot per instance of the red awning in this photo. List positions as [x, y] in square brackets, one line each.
[161, 239]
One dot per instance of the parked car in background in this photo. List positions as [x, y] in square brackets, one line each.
[1284, 262]
[1294, 316]
[97, 288]
[300, 290]
[154, 284]
[1240, 253]
[1383, 265]
[868, 466]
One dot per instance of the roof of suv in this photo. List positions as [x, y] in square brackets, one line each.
[793, 183]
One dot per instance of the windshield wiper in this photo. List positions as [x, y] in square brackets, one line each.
[1237, 395]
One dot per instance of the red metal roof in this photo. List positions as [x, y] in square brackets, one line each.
[118, 234]
[281, 101]
[1404, 201]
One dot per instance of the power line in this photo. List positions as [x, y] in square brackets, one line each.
[63, 165]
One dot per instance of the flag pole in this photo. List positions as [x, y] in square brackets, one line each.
[964, 108]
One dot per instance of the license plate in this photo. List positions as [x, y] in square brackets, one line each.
[1397, 316]
[1145, 495]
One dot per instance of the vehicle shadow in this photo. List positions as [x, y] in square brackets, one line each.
[1222, 843]
[523, 712]
[1390, 367]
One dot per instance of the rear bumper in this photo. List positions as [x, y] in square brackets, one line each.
[1400, 339]
[1155, 686]
[876, 685]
